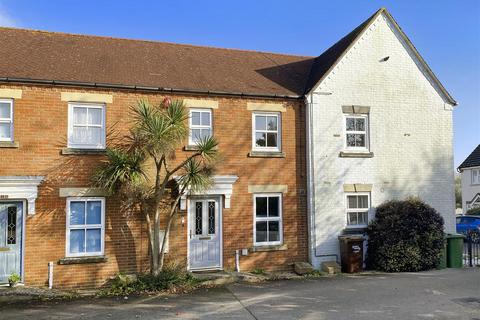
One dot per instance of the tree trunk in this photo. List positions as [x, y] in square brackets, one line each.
[156, 242]
[166, 235]
[173, 211]
[150, 236]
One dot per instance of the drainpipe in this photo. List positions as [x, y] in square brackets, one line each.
[310, 177]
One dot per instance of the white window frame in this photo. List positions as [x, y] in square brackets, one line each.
[278, 148]
[366, 132]
[192, 126]
[8, 120]
[71, 143]
[477, 175]
[348, 210]
[279, 219]
[85, 226]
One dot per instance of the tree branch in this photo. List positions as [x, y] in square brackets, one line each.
[180, 166]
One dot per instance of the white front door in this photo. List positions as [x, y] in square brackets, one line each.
[11, 233]
[205, 234]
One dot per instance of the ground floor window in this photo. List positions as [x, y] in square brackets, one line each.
[267, 219]
[85, 226]
[358, 205]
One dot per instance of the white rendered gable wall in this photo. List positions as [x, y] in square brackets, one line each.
[410, 135]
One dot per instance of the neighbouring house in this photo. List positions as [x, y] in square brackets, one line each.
[379, 127]
[470, 173]
[364, 122]
[60, 94]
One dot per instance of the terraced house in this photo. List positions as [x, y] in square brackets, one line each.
[309, 146]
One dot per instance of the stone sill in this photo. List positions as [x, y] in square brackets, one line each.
[266, 154]
[280, 247]
[354, 230]
[194, 148]
[351, 154]
[75, 151]
[8, 144]
[190, 148]
[81, 260]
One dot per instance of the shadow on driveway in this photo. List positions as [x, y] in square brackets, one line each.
[446, 294]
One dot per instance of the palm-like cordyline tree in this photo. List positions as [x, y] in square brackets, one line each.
[155, 134]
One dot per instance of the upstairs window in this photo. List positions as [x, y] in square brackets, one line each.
[200, 125]
[475, 176]
[357, 210]
[86, 126]
[266, 131]
[356, 132]
[6, 120]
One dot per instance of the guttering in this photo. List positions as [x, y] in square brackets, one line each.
[146, 88]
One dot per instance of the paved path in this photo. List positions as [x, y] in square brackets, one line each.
[447, 294]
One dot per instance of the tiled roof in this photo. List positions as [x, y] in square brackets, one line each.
[51, 57]
[43, 55]
[473, 160]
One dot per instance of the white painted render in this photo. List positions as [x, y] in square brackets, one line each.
[410, 135]
[469, 189]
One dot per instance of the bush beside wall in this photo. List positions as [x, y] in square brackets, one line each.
[405, 236]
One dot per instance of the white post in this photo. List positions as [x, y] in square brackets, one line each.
[237, 260]
[50, 275]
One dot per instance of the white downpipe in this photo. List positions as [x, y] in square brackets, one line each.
[310, 178]
[50, 275]
[237, 260]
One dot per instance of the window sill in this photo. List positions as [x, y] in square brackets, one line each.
[266, 154]
[81, 260]
[354, 230]
[9, 144]
[192, 147]
[73, 151]
[280, 247]
[355, 154]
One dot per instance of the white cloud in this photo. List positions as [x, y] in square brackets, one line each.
[5, 19]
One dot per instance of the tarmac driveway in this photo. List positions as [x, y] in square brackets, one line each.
[445, 294]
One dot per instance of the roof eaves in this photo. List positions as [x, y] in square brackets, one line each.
[147, 88]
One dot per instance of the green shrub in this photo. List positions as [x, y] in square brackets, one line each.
[258, 271]
[474, 211]
[405, 236]
[14, 278]
[173, 278]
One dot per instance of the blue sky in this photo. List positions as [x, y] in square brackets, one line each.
[447, 33]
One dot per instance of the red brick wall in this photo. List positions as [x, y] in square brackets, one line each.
[41, 130]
